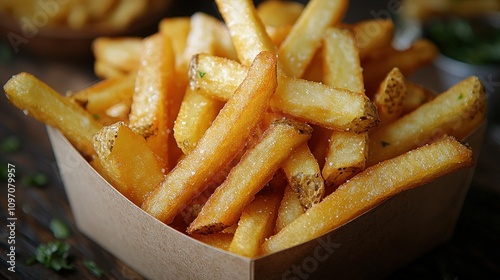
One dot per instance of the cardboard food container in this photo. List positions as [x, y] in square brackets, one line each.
[370, 246]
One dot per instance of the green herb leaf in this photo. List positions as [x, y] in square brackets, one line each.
[54, 255]
[96, 116]
[35, 180]
[10, 144]
[201, 74]
[460, 96]
[94, 268]
[59, 229]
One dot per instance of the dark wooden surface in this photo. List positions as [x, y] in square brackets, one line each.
[472, 253]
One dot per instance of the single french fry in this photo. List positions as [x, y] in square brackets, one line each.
[416, 95]
[315, 103]
[219, 240]
[370, 188]
[128, 161]
[304, 176]
[290, 209]
[248, 33]
[448, 113]
[346, 156]
[341, 65]
[255, 169]
[197, 111]
[304, 39]
[121, 54]
[314, 71]
[109, 100]
[219, 145]
[279, 13]
[372, 36]
[421, 52]
[204, 37]
[255, 224]
[177, 29]
[196, 114]
[154, 91]
[43, 103]
[390, 96]
[346, 152]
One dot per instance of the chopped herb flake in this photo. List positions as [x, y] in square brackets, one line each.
[59, 229]
[54, 255]
[35, 180]
[384, 144]
[10, 144]
[460, 96]
[96, 116]
[201, 74]
[92, 266]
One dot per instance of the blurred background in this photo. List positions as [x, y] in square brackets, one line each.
[52, 40]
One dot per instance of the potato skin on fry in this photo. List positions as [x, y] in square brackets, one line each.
[220, 143]
[369, 188]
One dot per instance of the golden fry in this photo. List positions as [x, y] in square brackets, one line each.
[129, 163]
[255, 169]
[448, 114]
[43, 103]
[370, 188]
[220, 144]
[304, 39]
[390, 96]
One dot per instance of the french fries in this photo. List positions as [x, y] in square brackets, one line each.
[390, 96]
[304, 39]
[153, 104]
[449, 113]
[370, 188]
[130, 164]
[331, 107]
[220, 143]
[264, 130]
[37, 99]
[254, 170]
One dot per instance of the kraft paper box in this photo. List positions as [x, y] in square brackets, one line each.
[369, 247]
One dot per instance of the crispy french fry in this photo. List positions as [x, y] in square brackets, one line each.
[390, 96]
[279, 13]
[341, 65]
[346, 152]
[129, 163]
[197, 111]
[151, 112]
[304, 176]
[304, 100]
[219, 240]
[304, 39]
[249, 176]
[449, 113]
[372, 187]
[177, 29]
[220, 143]
[416, 95]
[372, 36]
[108, 100]
[422, 52]
[43, 103]
[346, 156]
[248, 33]
[196, 114]
[255, 224]
[121, 54]
[290, 209]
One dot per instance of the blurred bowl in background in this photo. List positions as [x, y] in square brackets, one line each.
[65, 29]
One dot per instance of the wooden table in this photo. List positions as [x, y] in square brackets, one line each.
[472, 253]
